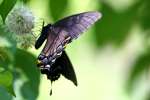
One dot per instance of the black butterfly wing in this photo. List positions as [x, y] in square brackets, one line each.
[66, 68]
[40, 40]
[43, 36]
[77, 24]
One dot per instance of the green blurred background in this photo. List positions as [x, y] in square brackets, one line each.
[111, 59]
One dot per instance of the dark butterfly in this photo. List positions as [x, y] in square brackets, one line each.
[53, 61]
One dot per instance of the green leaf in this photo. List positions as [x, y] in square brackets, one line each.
[5, 7]
[25, 1]
[25, 61]
[114, 26]
[141, 65]
[1, 1]
[6, 57]
[28, 91]
[7, 40]
[57, 8]
[6, 81]
[10, 89]
[4, 95]
[1, 21]
[144, 14]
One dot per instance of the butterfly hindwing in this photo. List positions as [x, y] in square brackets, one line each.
[62, 66]
[66, 67]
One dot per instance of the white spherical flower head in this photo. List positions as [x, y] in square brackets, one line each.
[20, 21]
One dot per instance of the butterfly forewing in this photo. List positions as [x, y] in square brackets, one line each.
[78, 23]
